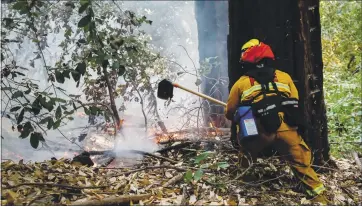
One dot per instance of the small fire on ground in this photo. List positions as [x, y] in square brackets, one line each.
[103, 141]
[191, 134]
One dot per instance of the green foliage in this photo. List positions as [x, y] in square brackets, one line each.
[341, 35]
[188, 176]
[202, 157]
[342, 49]
[34, 109]
[198, 174]
[202, 163]
[35, 138]
[99, 37]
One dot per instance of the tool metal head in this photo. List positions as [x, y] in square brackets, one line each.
[165, 90]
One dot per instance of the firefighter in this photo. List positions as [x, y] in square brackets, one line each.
[273, 98]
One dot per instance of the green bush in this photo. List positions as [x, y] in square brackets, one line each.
[342, 49]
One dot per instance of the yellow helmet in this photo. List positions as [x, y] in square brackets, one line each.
[250, 43]
[253, 51]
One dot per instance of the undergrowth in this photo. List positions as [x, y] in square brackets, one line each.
[342, 50]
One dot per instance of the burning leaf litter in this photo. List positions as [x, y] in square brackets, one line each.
[197, 177]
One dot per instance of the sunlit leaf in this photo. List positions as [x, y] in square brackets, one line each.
[198, 174]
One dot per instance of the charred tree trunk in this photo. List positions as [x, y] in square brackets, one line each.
[311, 65]
[212, 25]
[292, 29]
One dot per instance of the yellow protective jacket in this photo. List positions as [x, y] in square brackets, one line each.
[244, 90]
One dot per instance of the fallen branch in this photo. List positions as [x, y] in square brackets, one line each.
[328, 168]
[112, 200]
[155, 156]
[112, 168]
[206, 139]
[262, 182]
[348, 193]
[105, 152]
[186, 143]
[193, 130]
[111, 153]
[178, 146]
[173, 180]
[109, 162]
[54, 185]
[357, 160]
[241, 175]
[162, 158]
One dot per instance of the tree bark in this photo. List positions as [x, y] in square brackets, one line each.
[292, 29]
[309, 33]
[105, 63]
[111, 96]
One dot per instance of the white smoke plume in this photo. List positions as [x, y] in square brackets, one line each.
[173, 25]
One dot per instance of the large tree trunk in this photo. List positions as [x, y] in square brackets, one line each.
[212, 25]
[311, 65]
[292, 29]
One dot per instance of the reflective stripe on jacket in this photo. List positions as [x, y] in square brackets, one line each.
[245, 90]
[249, 93]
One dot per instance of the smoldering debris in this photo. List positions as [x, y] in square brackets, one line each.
[118, 150]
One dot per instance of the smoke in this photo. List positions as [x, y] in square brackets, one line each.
[134, 136]
[212, 20]
[173, 25]
[133, 139]
[174, 34]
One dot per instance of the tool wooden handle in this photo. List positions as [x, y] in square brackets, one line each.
[199, 94]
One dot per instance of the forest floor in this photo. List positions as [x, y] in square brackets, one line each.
[173, 177]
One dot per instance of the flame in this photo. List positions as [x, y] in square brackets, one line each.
[179, 136]
[211, 125]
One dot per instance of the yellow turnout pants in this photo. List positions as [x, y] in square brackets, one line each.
[291, 147]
